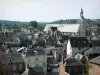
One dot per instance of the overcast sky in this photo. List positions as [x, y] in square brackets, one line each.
[47, 10]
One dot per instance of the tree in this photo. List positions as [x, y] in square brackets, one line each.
[41, 27]
[34, 24]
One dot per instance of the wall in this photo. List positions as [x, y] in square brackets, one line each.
[94, 69]
[40, 60]
[62, 69]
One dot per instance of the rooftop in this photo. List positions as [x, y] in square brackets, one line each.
[96, 60]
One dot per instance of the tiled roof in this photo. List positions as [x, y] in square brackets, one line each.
[96, 60]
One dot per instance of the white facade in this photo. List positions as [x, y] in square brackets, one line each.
[68, 49]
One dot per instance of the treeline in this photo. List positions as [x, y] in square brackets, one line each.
[74, 21]
[41, 25]
[67, 21]
[18, 24]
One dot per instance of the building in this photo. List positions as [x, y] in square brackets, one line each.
[5, 69]
[78, 29]
[36, 57]
[12, 64]
[18, 65]
[65, 51]
[94, 66]
[71, 66]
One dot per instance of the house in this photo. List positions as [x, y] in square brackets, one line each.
[65, 51]
[94, 66]
[36, 57]
[5, 69]
[73, 66]
[68, 29]
[84, 60]
[18, 65]
[13, 64]
[77, 43]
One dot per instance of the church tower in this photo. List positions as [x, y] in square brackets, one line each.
[81, 21]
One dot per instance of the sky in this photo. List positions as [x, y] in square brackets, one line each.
[48, 10]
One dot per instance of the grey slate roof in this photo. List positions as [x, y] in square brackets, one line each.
[12, 58]
[96, 60]
[16, 58]
[73, 62]
[36, 69]
[30, 52]
[92, 50]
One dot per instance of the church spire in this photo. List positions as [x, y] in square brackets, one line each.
[81, 13]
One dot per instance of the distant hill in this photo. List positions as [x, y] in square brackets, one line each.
[74, 21]
[7, 22]
[67, 21]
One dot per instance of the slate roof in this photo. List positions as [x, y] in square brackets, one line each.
[96, 60]
[16, 58]
[69, 28]
[73, 62]
[12, 58]
[30, 52]
[92, 50]
[62, 27]
[36, 69]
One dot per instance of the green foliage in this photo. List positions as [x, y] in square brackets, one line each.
[67, 21]
[74, 21]
[86, 69]
[34, 24]
[25, 26]
[40, 27]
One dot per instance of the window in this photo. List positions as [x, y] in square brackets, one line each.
[36, 59]
[14, 67]
[20, 66]
[44, 64]
[69, 71]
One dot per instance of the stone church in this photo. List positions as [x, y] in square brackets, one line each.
[78, 29]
